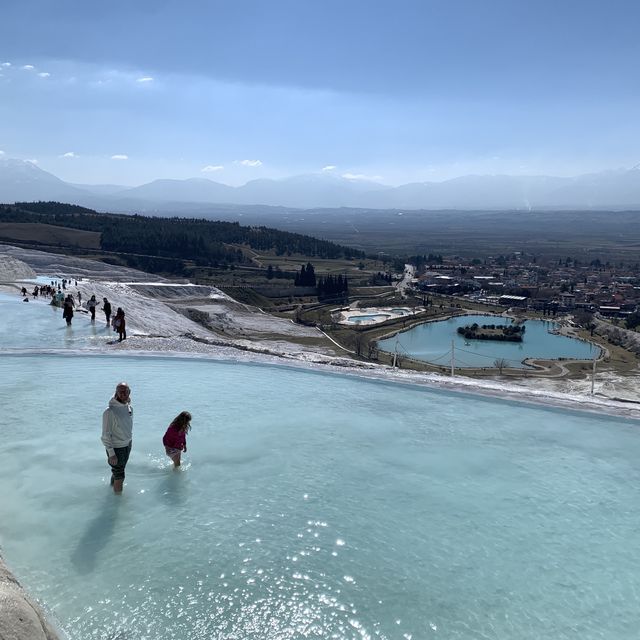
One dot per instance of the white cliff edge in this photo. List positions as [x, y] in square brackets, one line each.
[20, 617]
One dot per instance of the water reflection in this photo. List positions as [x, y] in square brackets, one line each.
[98, 533]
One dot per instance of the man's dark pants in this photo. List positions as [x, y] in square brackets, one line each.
[117, 470]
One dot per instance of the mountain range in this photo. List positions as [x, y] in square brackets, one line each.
[616, 189]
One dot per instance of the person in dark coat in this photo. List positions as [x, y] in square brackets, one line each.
[119, 324]
[106, 307]
[67, 309]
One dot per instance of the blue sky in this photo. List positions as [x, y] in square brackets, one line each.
[128, 91]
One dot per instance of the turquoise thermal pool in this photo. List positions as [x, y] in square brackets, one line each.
[39, 325]
[309, 505]
[377, 317]
[431, 342]
[315, 505]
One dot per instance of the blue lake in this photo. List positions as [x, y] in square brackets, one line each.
[431, 342]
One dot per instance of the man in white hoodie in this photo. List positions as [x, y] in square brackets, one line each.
[117, 426]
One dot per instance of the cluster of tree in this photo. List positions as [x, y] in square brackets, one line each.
[633, 320]
[154, 264]
[204, 242]
[422, 261]
[306, 277]
[171, 239]
[584, 319]
[508, 333]
[333, 287]
[279, 273]
[550, 309]
[381, 279]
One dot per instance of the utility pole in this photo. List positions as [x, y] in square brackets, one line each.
[593, 373]
[453, 362]
[395, 355]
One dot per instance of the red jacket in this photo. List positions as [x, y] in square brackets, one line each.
[175, 438]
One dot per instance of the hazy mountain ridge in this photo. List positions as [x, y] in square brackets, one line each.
[616, 189]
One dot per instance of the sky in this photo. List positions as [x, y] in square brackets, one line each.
[398, 91]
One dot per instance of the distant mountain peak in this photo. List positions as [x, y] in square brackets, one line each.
[616, 188]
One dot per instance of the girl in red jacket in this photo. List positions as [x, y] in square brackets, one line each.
[175, 438]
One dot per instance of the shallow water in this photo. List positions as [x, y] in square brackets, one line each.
[368, 317]
[315, 505]
[431, 341]
[39, 325]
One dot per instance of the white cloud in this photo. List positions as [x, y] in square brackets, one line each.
[32, 160]
[361, 176]
[210, 168]
[119, 156]
[329, 167]
[249, 163]
[1, 153]
[44, 74]
[28, 67]
[5, 64]
[145, 79]
[69, 154]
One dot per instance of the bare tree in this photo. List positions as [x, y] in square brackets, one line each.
[500, 364]
[359, 343]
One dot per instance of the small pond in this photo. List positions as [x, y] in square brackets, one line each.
[371, 317]
[431, 342]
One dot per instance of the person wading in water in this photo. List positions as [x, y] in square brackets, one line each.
[117, 427]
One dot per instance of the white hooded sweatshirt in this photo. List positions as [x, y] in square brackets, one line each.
[117, 426]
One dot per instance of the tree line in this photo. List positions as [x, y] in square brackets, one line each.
[173, 240]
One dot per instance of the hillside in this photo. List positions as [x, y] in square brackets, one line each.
[162, 245]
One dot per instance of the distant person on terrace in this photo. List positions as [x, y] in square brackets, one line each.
[106, 307]
[119, 324]
[91, 305]
[67, 312]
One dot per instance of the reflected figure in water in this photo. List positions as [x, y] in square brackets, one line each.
[117, 428]
[173, 489]
[96, 536]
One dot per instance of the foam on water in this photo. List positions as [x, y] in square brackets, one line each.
[315, 506]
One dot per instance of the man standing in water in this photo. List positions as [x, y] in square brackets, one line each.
[117, 426]
[106, 307]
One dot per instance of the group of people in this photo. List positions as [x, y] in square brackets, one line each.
[50, 290]
[118, 321]
[117, 430]
[68, 304]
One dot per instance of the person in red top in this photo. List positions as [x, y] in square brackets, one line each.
[175, 438]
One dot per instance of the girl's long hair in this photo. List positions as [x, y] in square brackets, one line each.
[182, 421]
